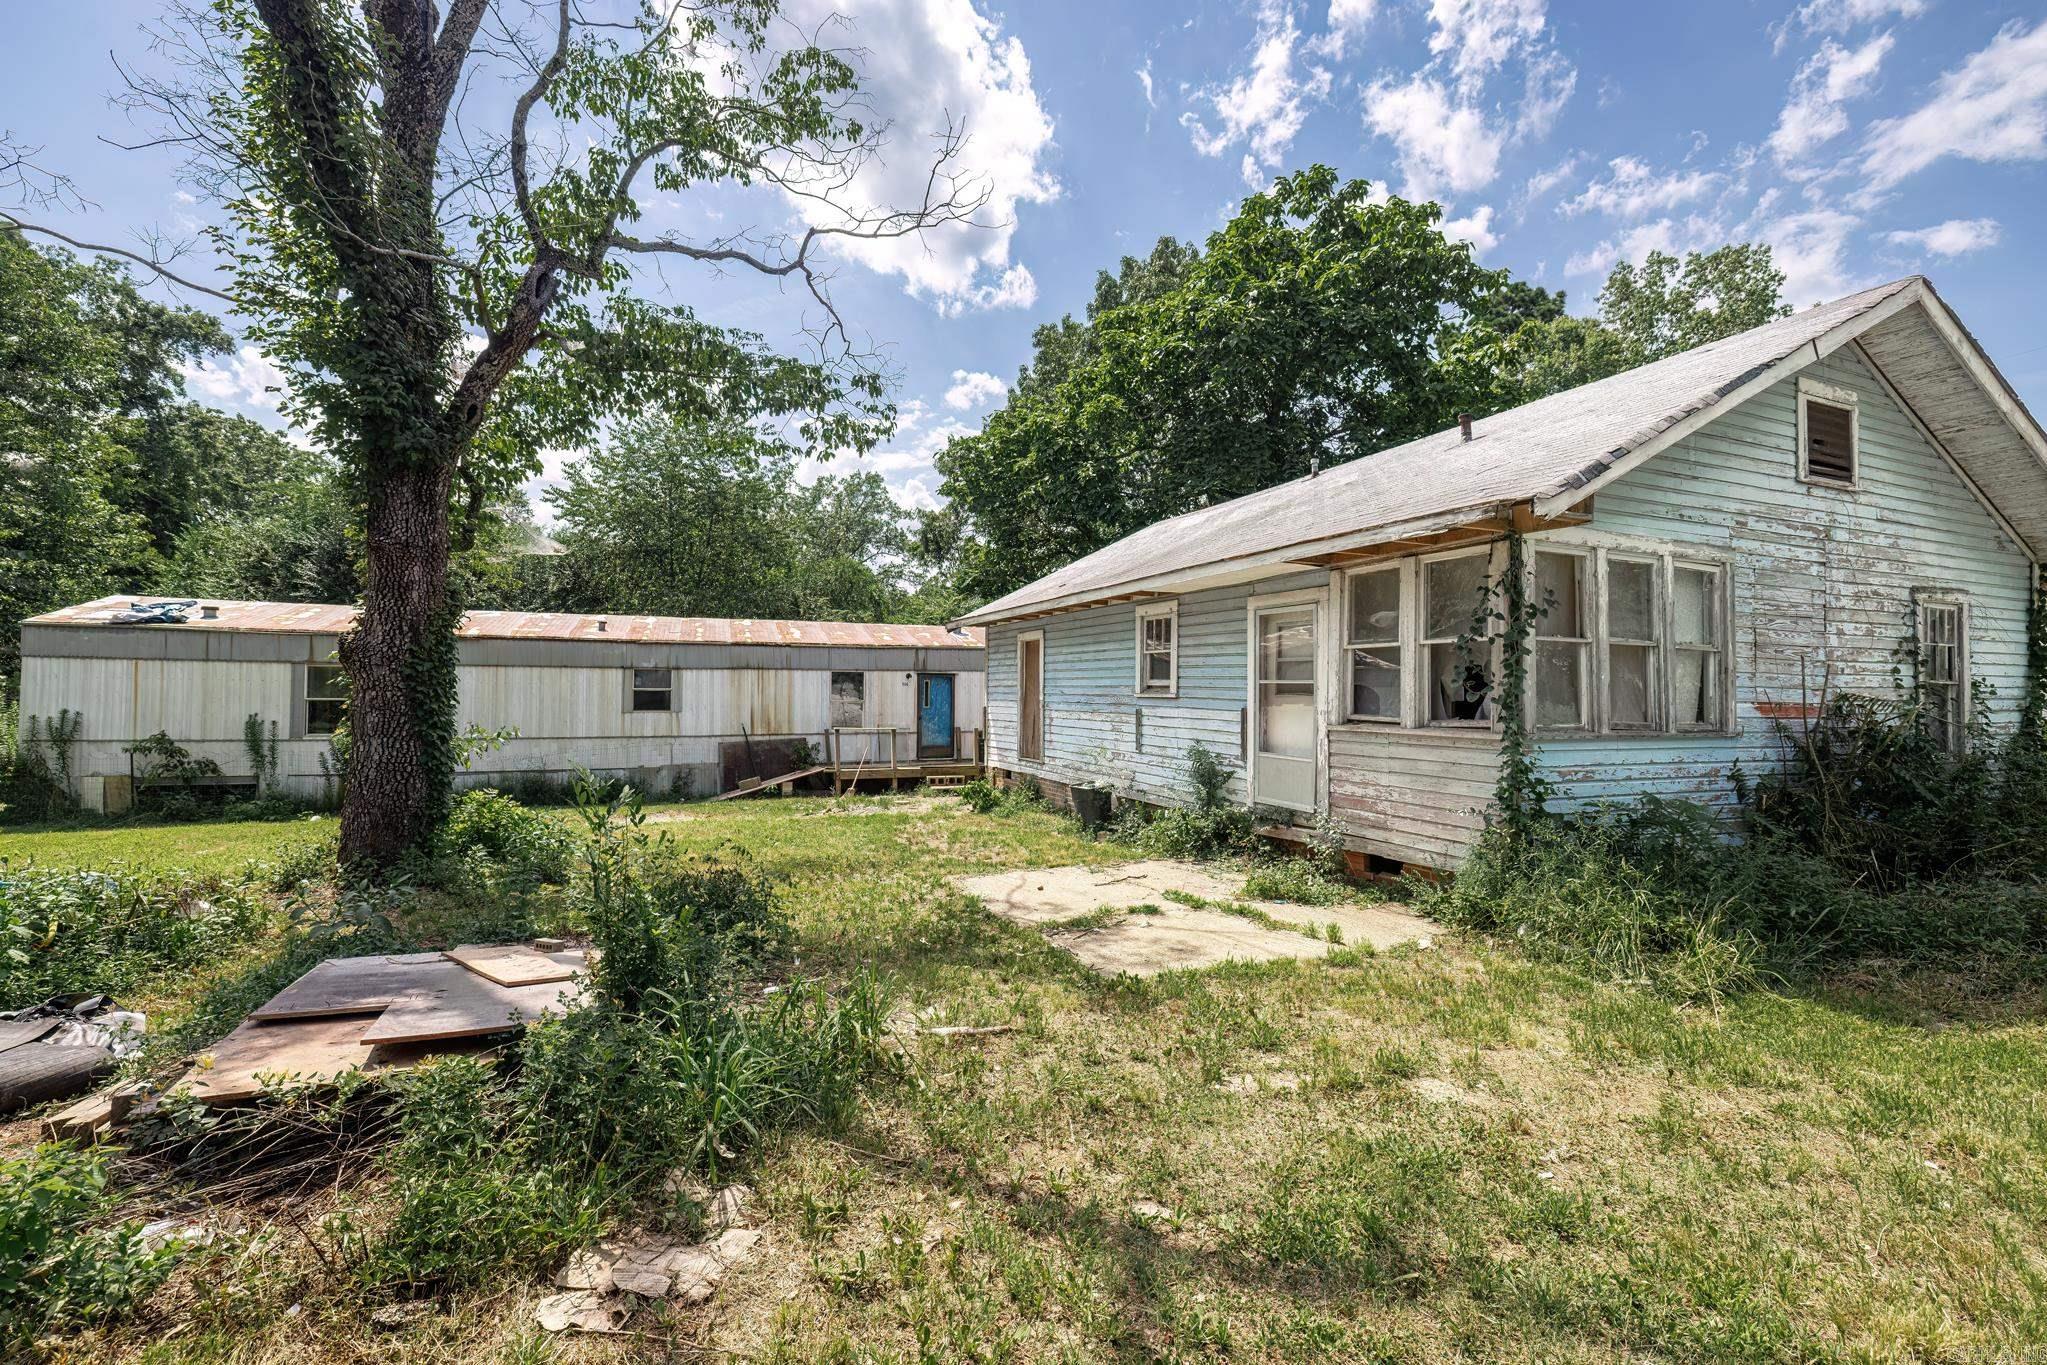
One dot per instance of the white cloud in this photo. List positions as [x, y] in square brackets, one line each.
[553, 464]
[973, 389]
[1543, 182]
[1667, 235]
[1263, 108]
[1810, 248]
[1444, 145]
[1634, 189]
[924, 63]
[247, 379]
[905, 466]
[1550, 83]
[1479, 35]
[1952, 238]
[1348, 19]
[1839, 16]
[1993, 107]
[1476, 228]
[1834, 75]
[1144, 79]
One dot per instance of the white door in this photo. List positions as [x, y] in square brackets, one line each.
[1284, 707]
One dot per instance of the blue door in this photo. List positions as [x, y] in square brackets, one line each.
[934, 715]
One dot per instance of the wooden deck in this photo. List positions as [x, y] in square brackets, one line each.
[904, 763]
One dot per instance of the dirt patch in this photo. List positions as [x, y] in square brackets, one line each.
[1127, 918]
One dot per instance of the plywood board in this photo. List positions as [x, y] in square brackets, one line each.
[302, 1050]
[514, 964]
[460, 1004]
[349, 985]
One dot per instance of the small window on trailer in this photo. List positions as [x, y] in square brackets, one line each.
[1944, 670]
[1828, 435]
[326, 698]
[849, 700]
[1158, 650]
[653, 689]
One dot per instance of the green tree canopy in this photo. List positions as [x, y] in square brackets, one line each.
[1311, 328]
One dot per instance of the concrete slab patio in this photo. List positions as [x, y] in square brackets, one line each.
[1129, 921]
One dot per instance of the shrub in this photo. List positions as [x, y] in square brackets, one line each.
[985, 798]
[1298, 880]
[527, 844]
[62, 1264]
[64, 931]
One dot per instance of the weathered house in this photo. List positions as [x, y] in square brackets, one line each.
[671, 703]
[1849, 495]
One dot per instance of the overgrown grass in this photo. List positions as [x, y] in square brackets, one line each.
[203, 847]
[1456, 1153]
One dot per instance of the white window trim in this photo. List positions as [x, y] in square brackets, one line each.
[1723, 649]
[1406, 572]
[1418, 691]
[1964, 683]
[1152, 612]
[1659, 571]
[1811, 390]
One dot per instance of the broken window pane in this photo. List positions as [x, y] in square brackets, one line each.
[1375, 682]
[1695, 609]
[1375, 607]
[1459, 687]
[849, 699]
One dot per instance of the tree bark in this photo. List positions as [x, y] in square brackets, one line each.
[390, 657]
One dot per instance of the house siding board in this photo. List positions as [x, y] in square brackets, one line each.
[1090, 703]
[1822, 579]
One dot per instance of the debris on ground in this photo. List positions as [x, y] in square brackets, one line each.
[602, 1284]
[60, 1047]
[1093, 913]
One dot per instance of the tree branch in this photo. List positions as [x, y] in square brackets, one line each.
[11, 223]
[522, 191]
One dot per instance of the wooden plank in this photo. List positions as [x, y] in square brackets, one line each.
[348, 985]
[513, 964]
[755, 784]
[460, 1004]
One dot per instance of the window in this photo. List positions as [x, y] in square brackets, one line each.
[849, 700]
[1697, 636]
[1944, 671]
[1563, 641]
[1030, 695]
[1458, 679]
[1633, 644]
[1158, 650]
[1827, 432]
[1372, 642]
[653, 689]
[326, 698]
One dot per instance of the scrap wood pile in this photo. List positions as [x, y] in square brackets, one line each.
[364, 1014]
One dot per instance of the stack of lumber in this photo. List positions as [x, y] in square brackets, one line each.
[383, 1012]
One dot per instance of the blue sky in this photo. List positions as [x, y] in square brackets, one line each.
[1864, 139]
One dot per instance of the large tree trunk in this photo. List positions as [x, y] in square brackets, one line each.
[400, 664]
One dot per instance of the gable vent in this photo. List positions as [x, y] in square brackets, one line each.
[1829, 442]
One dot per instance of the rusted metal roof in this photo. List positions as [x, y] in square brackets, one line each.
[308, 618]
[1551, 451]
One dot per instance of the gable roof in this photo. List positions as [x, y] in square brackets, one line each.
[1553, 452]
[316, 618]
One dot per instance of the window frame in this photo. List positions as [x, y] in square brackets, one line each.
[1425, 643]
[1722, 650]
[1925, 600]
[1659, 648]
[633, 689]
[1404, 571]
[307, 698]
[1812, 391]
[1169, 612]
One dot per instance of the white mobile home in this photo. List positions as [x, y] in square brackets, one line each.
[1727, 536]
[670, 703]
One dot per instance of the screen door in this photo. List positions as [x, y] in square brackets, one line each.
[1283, 755]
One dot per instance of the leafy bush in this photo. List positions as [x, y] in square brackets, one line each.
[985, 798]
[63, 930]
[1298, 880]
[1211, 827]
[527, 844]
[62, 1263]
[303, 861]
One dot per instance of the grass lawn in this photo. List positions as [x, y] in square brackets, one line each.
[1435, 1154]
[204, 846]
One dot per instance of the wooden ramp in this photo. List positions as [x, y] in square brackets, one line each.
[747, 787]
